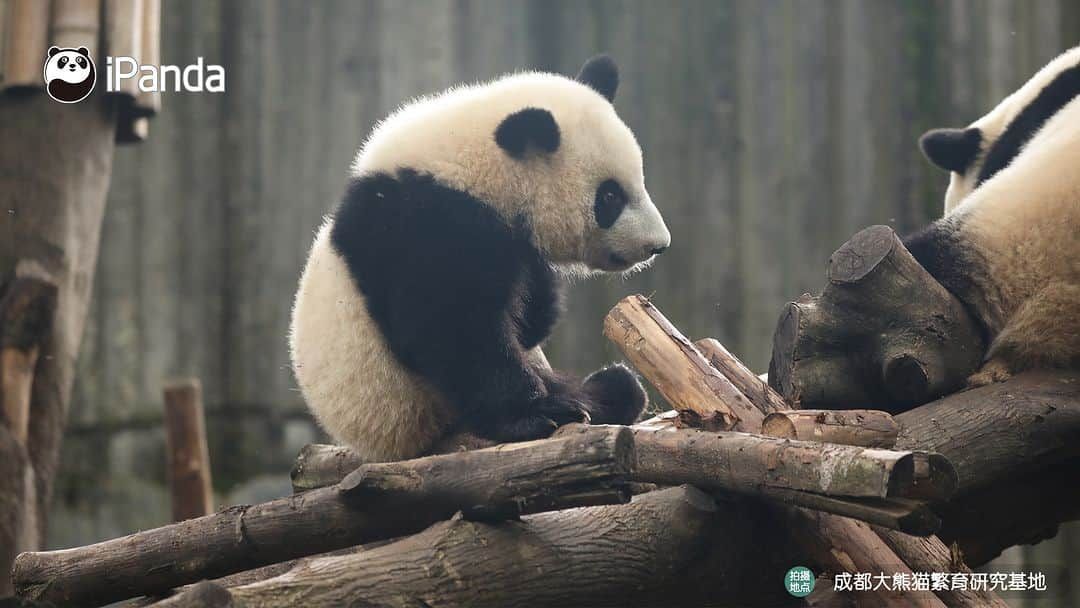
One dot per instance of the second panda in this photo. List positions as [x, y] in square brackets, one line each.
[428, 293]
[1009, 244]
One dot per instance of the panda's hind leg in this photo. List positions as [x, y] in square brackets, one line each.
[614, 395]
[1043, 332]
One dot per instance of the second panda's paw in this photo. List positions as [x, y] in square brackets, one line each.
[994, 370]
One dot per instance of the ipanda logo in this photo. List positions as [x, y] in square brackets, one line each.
[70, 75]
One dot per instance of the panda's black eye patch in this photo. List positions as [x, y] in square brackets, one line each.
[81, 61]
[610, 201]
[62, 62]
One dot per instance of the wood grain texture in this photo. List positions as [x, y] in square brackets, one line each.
[377, 501]
[868, 428]
[675, 367]
[583, 557]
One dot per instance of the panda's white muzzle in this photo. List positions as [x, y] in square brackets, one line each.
[636, 237]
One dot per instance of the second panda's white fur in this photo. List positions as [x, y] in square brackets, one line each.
[991, 126]
[1009, 246]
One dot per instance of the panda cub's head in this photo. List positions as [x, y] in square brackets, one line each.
[543, 150]
[990, 144]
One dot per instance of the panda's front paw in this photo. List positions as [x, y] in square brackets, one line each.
[994, 370]
[560, 409]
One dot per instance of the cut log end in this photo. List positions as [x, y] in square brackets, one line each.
[861, 255]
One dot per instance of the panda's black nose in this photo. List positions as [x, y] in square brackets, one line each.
[659, 250]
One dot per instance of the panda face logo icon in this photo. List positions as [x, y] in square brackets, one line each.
[69, 74]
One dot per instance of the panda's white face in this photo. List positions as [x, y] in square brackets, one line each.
[67, 65]
[565, 164]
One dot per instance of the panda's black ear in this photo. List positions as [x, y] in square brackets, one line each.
[951, 149]
[531, 126]
[84, 51]
[601, 74]
[53, 50]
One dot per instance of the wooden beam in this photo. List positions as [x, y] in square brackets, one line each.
[749, 384]
[189, 457]
[376, 501]
[869, 428]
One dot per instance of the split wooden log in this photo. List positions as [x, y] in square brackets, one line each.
[677, 369]
[376, 501]
[749, 384]
[602, 556]
[882, 332]
[869, 428]
[189, 457]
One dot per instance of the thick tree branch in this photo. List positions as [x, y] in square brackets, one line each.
[374, 502]
[882, 332]
[601, 556]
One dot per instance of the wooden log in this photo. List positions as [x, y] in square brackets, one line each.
[931, 555]
[602, 556]
[1002, 430]
[839, 545]
[189, 457]
[27, 308]
[57, 161]
[836, 533]
[882, 332]
[868, 428]
[320, 465]
[376, 501]
[1022, 510]
[751, 385]
[676, 368]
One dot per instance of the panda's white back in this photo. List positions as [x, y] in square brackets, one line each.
[332, 339]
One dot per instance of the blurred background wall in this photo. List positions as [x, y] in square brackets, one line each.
[772, 131]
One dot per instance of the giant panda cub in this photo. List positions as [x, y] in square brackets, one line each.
[1009, 244]
[429, 291]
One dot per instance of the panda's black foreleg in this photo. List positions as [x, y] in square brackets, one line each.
[615, 395]
[612, 395]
